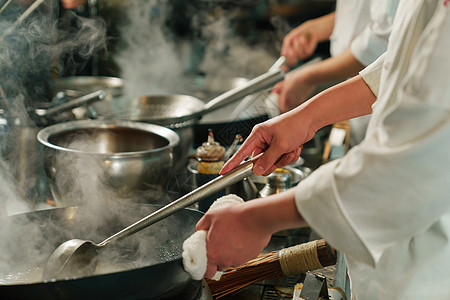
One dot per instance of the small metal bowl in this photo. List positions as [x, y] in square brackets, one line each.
[107, 160]
[297, 174]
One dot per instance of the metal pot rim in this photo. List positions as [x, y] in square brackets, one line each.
[108, 81]
[172, 137]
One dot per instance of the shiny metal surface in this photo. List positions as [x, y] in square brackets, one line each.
[79, 257]
[74, 103]
[157, 109]
[151, 109]
[297, 174]
[277, 182]
[181, 111]
[76, 86]
[111, 160]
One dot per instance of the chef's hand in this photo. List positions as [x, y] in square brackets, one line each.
[234, 237]
[239, 232]
[281, 140]
[294, 89]
[71, 4]
[302, 41]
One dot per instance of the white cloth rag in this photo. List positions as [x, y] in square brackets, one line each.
[194, 247]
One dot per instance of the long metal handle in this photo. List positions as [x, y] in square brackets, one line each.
[240, 172]
[268, 79]
[5, 6]
[86, 99]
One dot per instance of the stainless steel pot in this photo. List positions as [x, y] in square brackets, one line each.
[107, 160]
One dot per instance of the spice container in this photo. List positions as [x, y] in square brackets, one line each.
[210, 156]
[210, 160]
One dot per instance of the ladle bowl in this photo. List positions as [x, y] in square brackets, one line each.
[74, 258]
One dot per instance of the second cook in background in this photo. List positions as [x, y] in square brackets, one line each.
[358, 31]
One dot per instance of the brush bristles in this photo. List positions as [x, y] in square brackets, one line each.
[265, 266]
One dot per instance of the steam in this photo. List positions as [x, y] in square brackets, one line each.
[151, 60]
[147, 56]
[228, 55]
[23, 263]
[33, 50]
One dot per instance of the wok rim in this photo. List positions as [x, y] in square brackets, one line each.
[172, 122]
[118, 273]
[178, 260]
[108, 81]
[46, 133]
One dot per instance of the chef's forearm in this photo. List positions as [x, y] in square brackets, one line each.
[276, 212]
[324, 26]
[335, 68]
[349, 99]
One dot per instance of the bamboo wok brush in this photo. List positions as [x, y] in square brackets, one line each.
[285, 262]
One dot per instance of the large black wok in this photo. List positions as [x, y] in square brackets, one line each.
[147, 265]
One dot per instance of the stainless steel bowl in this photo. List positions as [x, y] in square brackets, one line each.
[107, 160]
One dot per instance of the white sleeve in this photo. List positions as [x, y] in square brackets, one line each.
[373, 40]
[319, 203]
[372, 75]
[393, 186]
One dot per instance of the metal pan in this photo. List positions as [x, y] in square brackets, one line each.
[75, 86]
[147, 265]
[178, 111]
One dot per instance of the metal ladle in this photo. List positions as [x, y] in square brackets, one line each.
[78, 258]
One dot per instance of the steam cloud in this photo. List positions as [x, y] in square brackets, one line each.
[147, 55]
[31, 54]
[150, 61]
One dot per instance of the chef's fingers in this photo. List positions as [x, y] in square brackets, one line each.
[247, 148]
[282, 103]
[268, 159]
[291, 57]
[204, 223]
[287, 41]
[270, 171]
[311, 46]
[235, 160]
[211, 270]
[299, 46]
[257, 151]
[289, 158]
[222, 268]
[277, 88]
[286, 159]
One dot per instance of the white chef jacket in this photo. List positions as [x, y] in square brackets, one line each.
[386, 204]
[364, 26]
